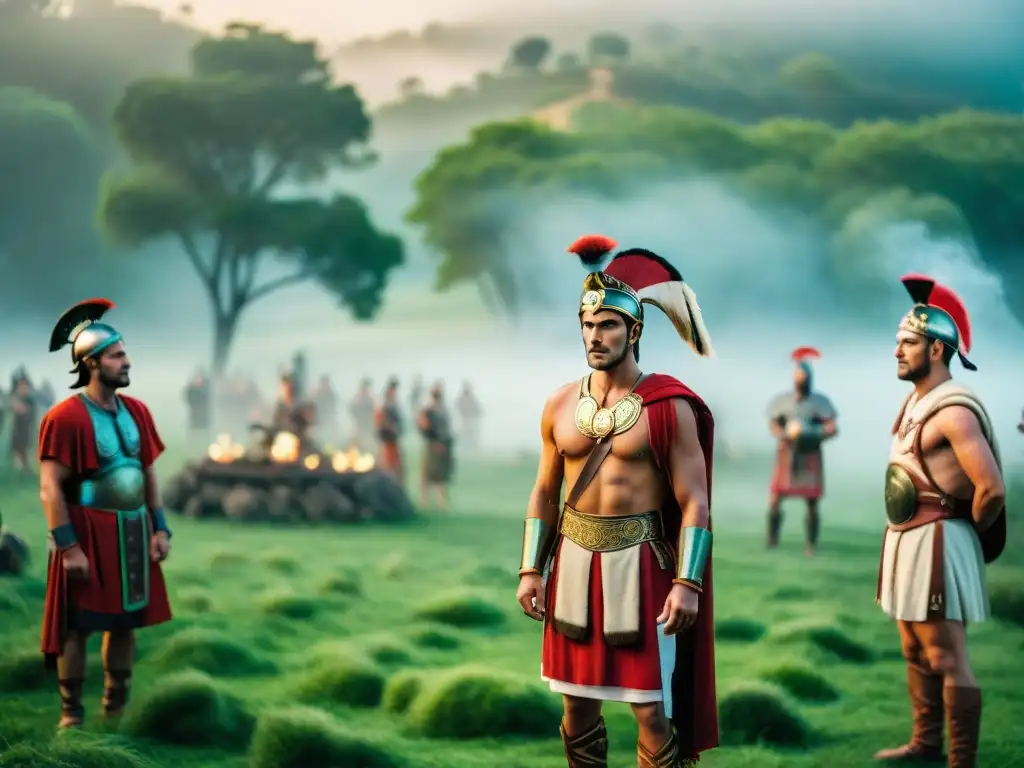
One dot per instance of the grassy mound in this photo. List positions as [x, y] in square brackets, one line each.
[345, 584]
[214, 653]
[435, 638]
[490, 575]
[471, 703]
[228, 558]
[387, 651]
[22, 671]
[304, 738]
[462, 610]
[401, 690]
[349, 680]
[801, 683]
[829, 639]
[73, 750]
[739, 630]
[792, 593]
[281, 562]
[288, 605]
[189, 709]
[11, 603]
[760, 715]
[1007, 601]
[193, 600]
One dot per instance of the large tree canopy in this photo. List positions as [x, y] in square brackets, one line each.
[211, 153]
[960, 174]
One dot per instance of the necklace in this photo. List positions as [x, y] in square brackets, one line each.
[597, 422]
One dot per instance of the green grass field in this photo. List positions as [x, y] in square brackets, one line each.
[372, 647]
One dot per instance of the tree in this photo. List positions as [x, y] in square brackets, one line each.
[569, 62]
[410, 86]
[50, 164]
[211, 152]
[608, 48]
[956, 175]
[530, 53]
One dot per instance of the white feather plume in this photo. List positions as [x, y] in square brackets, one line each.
[678, 301]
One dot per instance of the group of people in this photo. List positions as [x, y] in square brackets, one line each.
[620, 574]
[375, 426]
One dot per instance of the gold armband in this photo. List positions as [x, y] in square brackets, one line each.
[538, 543]
[694, 550]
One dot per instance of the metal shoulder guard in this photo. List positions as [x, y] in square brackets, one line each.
[538, 544]
[694, 550]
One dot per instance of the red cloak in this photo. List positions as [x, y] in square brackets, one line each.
[66, 435]
[695, 703]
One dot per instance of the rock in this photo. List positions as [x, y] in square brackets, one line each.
[383, 496]
[323, 502]
[14, 554]
[206, 502]
[283, 503]
[244, 502]
[180, 488]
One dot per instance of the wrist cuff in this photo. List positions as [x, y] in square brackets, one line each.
[538, 543]
[694, 551]
[160, 522]
[64, 536]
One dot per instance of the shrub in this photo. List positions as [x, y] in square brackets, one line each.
[462, 610]
[739, 630]
[189, 709]
[760, 715]
[347, 680]
[471, 703]
[802, 683]
[310, 738]
[401, 690]
[211, 652]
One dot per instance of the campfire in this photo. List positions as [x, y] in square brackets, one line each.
[286, 448]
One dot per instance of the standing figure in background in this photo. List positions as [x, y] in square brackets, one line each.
[800, 421]
[107, 527]
[388, 423]
[45, 399]
[325, 400]
[198, 401]
[946, 510]
[23, 420]
[416, 395]
[470, 414]
[1020, 425]
[300, 375]
[438, 457]
[361, 410]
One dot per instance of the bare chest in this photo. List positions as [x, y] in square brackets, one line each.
[632, 445]
[923, 449]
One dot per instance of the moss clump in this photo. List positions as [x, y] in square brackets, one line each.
[829, 639]
[802, 683]
[739, 630]
[760, 715]
[310, 738]
[344, 584]
[288, 605]
[73, 750]
[193, 600]
[792, 593]
[214, 653]
[227, 558]
[1007, 601]
[189, 709]
[462, 610]
[469, 703]
[437, 638]
[281, 562]
[346, 680]
[387, 651]
[401, 690]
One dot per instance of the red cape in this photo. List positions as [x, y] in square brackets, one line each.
[66, 435]
[695, 702]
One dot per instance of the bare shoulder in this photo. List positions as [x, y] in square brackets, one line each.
[686, 420]
[560, 396]
[957, 421]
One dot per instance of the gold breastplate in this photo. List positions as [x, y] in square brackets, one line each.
[597, 423]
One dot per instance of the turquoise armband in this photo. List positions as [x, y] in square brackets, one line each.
[64, 536]
[538, 543]
[160, 521]
[694, 550]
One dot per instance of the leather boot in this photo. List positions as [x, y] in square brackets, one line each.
[774, 526]
[589, 749]
[71, 710]
[925, 745]
[666, 757]
[963, 713]
[117, 687]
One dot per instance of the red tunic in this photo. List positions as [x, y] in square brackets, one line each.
[66, 435]
[593, 662]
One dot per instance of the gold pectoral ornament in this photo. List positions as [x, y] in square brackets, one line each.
[597, 422]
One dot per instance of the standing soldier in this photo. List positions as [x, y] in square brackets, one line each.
[23, 419]
[438, 460]
[945, 504]
[470, 414]
[107, 526]
[388, 421]
[627, 608]
[800, 421]
[361, 410]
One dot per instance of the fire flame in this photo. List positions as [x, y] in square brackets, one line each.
[352, 460]
[285, 448]
[225, 450]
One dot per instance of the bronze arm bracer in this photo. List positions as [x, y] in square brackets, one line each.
[538, 543]
[693, 552]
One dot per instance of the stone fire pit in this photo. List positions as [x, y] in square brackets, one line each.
[342, 487]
